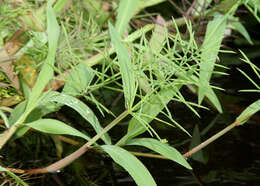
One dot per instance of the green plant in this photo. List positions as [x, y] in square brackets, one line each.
[149, 69]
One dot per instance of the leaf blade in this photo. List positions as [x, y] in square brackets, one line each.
[210, 47]
[130, 163]
[126, 67]
[162, 149]
[125, 12]
[81, 108]
[53, 126]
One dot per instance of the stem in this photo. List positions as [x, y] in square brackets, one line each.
[75, 155]
[213, 138]
[7, 135]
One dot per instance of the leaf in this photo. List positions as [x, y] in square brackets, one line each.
[152, 107]
[125, 12]
[131, 164]
[161, 148]
[248, 112]
[53, 126]
[46, 72]
[210, 48]
[78, 106]
[16, 178]
[126, 67]
[241, 29]
[79, 80]
[147, 3]
[198, 156]
[17, 112]
[158, 37]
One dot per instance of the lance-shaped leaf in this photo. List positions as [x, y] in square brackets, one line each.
[248, 112]
[47, 71]
[130, 163]
[78, 106]
[16, 178]
[210, 48]
[152, 107]
[126, 67]
[161, 148]
[53, 126]
[125, 11]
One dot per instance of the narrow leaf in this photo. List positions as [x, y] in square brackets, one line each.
[125, 12]
[131, 164]
[80, 107]
[249, 111]
[126, 67]
[16, 178]
[198, 156]
[210, 48]
[152, 107]
[46, 72]
[158, 37]
[161, 148]
[53, 126]
[241, 29]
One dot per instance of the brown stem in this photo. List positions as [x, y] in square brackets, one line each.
[75, 155]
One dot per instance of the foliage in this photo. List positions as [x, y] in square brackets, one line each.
[96, 63]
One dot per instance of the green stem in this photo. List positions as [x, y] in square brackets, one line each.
[75, 155]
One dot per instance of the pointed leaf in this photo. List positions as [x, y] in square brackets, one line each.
[80, 107]
[210, 48]
[131, 164]
[126, 67]
[152, 107]
[16, 178]
[125, 12]
[249, 111]
[198, 156]
[241, 29]
[46, 72]
[161, 148]
[53, 126]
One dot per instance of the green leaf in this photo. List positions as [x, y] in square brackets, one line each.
[78, 106]
[131, 164]
[16, 178]
[198, 156]
[152, 107]
[147, 3]
[241, 29]
[53, 126]
[159, 36]
[248, 112]
[126, 67]
[210, 48]
[46, 72]
[125, 12]
[59, 5]
[161, 148]
[17, 112]
[79, 80]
